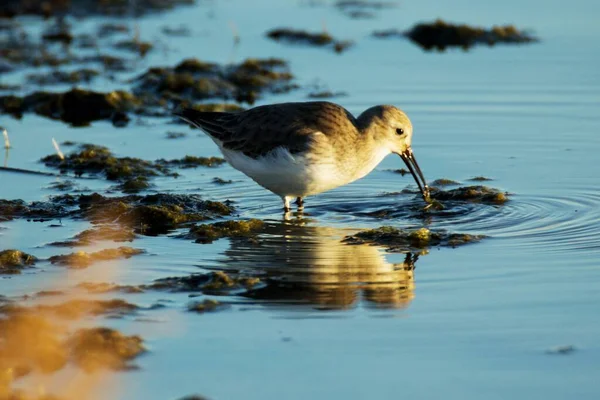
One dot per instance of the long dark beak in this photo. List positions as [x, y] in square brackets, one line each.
[411, 163]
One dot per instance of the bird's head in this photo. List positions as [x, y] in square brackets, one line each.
[391, 127]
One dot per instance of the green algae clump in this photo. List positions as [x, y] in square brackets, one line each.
[208, 305]
[104, 348]
[13, 261]
[475, 194]
[77, 107]
[207, 233]
[405, 240]
[444, 182]
[81, 259]
[194, 162]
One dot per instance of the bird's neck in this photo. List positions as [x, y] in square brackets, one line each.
[369, 153]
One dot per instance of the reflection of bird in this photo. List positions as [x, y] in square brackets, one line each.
[309, 264]
[300, 149]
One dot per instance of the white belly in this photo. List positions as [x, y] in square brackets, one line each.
[289, 175]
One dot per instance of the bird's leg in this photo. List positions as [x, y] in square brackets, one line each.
[286, 203]
[300, 203]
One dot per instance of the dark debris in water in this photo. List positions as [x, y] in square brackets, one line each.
[114, 233]
[441, 35]
[82, 259]
[321, 39]
[362, 9]
[13, 261]
[406, 240]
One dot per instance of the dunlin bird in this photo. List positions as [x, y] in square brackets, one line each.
[300, 149]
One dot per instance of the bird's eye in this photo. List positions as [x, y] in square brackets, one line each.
[399, 131]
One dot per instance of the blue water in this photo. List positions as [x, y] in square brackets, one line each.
[473, 322]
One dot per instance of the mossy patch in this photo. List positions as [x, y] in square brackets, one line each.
[77, 107]
[207, 305]
[135, 45]
[474, 194]
[75, 309]
[444, 182]
[207, 233]
[81, 259]
[319, 39]
[13, 261]
[133, 173]
[104, 348]
[37, 210]
[194, 80]
[404, 240]
[218, 282]
[113, 233]
[194, 162]
[151, 214]
[441, 35]
[104, 287]
[480, 179]
[85, 75]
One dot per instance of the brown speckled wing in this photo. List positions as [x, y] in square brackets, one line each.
[260, 130]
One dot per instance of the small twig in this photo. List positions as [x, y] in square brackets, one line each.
[57, 148]
[236, 35]
[6, 140]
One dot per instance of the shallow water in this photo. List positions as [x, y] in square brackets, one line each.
[353, 321]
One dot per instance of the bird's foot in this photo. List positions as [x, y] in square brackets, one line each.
[300, 203]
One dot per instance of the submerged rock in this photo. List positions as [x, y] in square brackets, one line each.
[441, 35]
[321, 39]
[13, 261]
[207, 233]
[406, 240]
[81, 259]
